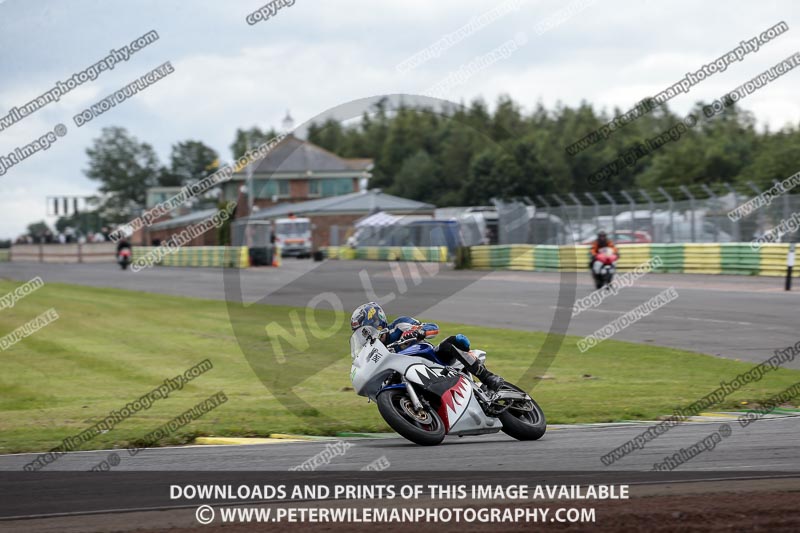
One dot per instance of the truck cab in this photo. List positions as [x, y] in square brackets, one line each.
[293, 235]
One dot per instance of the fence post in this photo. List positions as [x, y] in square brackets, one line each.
[613, 211]
[596, 209]
[688, 193]
[760, 216]
[580, 215]
[563, 215]
[651, 206]
[785, 202]
[670, 205]
[789, 267]
[547, 216]
[713, 197]
[632, 203]
[737, 237]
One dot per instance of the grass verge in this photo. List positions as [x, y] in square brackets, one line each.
[111, 346]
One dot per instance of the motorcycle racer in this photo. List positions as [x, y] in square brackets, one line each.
[601, 242]
[405, 331]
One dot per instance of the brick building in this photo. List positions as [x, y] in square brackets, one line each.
[341, 211]
[297, 171]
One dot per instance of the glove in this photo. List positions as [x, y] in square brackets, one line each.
[412, 334]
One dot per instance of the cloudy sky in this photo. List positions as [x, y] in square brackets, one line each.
[318, 55]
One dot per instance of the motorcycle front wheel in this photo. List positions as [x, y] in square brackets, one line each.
[424, 428]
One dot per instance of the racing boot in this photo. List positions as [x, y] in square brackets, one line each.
[491, 380]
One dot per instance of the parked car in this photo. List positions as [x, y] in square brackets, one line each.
[625, 237]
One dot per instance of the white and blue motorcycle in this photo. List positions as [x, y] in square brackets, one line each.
[424, 399]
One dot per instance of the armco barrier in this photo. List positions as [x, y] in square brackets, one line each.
[689, 258]
[436, 254]
[105, 252]
[200, 256]
[96, 252]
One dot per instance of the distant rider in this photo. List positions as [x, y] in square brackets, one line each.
[601, 242]
[407, 331]
[122, 244]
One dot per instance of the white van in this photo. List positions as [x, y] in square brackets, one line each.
[293, 235]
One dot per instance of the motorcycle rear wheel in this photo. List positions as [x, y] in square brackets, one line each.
[425, 429]
[524, 425]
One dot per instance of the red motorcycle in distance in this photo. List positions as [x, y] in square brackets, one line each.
[604, 266]
[124, 258]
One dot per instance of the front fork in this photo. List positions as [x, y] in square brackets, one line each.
[412, 394]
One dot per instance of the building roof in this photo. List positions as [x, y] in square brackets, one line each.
[295, 155]
[184, 220]
[357, 202]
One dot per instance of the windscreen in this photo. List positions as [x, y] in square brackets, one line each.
[360, 338]
[291, 228]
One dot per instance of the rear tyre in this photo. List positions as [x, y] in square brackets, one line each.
[425, 429]
[524, 425]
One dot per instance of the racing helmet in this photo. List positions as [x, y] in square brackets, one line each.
[369, 314]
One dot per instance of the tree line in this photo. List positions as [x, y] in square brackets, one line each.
[470, 154]
[473, 154]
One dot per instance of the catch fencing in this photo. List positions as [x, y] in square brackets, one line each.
[700, 215]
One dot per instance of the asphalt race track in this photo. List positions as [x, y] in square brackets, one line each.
[766, 445]
[738, 317]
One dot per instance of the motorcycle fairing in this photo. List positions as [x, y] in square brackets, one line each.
[422, 349]
[454, 390]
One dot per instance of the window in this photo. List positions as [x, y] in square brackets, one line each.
[230, 190]
[267, 188]
[330, 186]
